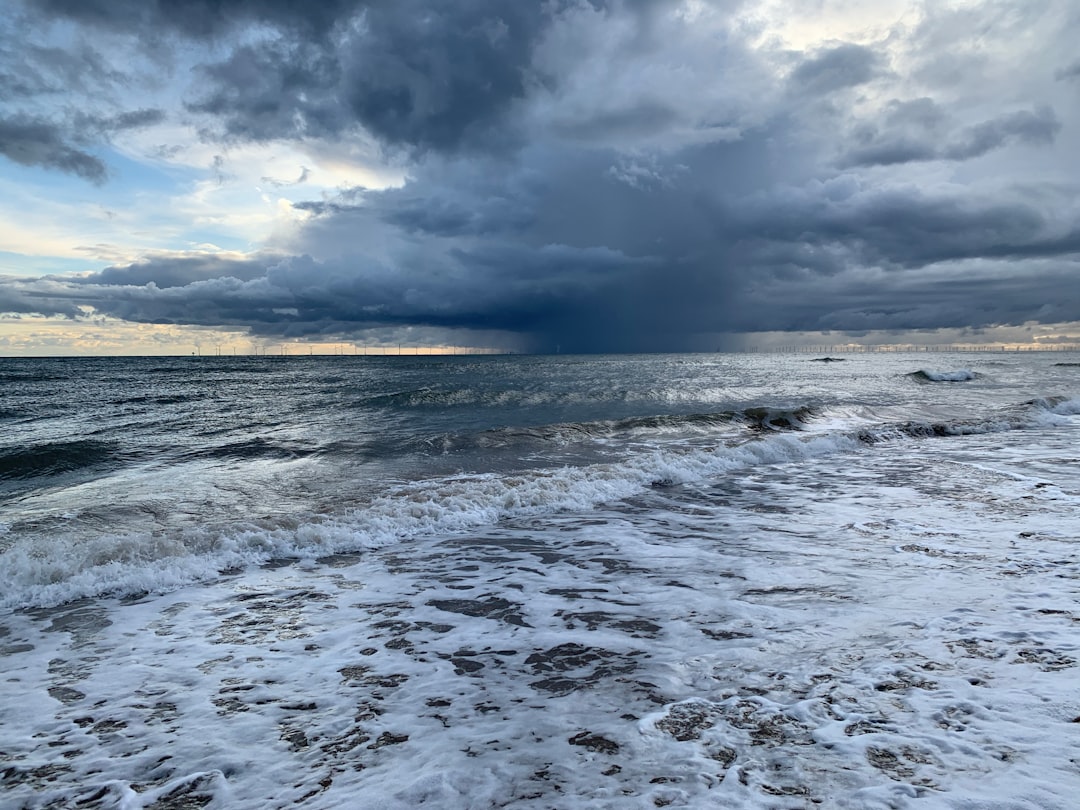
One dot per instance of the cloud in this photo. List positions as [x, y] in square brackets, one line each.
[416, 75]
[1038, 127]
[836, 68]
[595, 175]
[196, 18]
[31, 70]
[39, 142]
[838, 255]
[62, 145]
[37, 296]
[305, 173]
[164, 271]
[926, 136]
[57, 109]
[1071, 71]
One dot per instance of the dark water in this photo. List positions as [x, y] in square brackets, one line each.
[749, 582]
[227, 459]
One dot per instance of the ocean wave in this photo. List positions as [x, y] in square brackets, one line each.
[1064, 407]
[164, 399]
[475, 397]
[638, 427]
[959, 375]
[64, 569]
[1041, 412]
[257, 448]
[53, 458]
[9, 377]
[37, 572]
[421, 398]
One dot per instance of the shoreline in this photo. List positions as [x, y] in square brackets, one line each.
[892, 633]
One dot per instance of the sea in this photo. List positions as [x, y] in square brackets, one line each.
[704, 580]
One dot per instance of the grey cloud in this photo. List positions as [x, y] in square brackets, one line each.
[58, 102]
[907, 139]
[415, 75]
[35, 297]
[29, 69]
[890, 152]
[132, 119]
[38, 142]
[577, 223]
[924, 113]
[972, 295]
[1071, 71]
[906, 228]
[196, 18]
[1035, 128]
[275, 90]
[63, 145]
[179, 271]
[846, 65]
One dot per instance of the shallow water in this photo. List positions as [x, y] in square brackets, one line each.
[871, 605]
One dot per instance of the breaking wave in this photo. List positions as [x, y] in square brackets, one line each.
[479, 397]
[54, 458]
[959, 375]
[62, 569]
[759, 419]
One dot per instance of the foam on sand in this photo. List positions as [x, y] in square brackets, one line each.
[897, 631]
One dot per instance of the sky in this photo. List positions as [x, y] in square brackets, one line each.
[563, 175]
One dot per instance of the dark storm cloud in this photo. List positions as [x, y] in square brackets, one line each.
[425, 77]
[967, 297]
[275, 90]
[904, 227]
[415, 74]
[591, 175]
[178, 271]
[64, 145]
[793, 259]
[411, 73]
[196, 18]
[38, 142]
[299, 296]
[23, 297]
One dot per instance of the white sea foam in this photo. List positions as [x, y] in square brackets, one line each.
[50, 572]
[898, 631]
[1068, 407]
[959, 375]
[41, 572]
